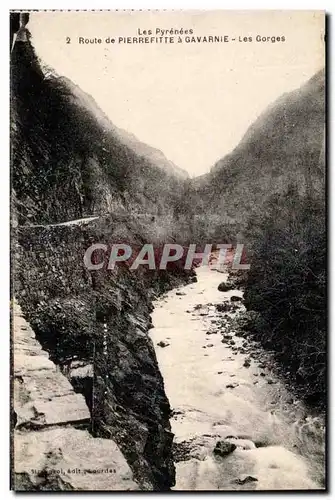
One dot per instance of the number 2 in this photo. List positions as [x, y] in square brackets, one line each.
[68, 39]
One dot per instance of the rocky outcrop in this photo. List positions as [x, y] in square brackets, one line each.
[76, 180]
[94, 325]
[224, 448]
[60, 137]
[53, 449]
[284, 147]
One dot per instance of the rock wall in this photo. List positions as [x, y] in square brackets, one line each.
[53, 449]
[70, 162]
[94, 325]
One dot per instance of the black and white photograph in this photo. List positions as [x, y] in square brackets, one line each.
[168, 251]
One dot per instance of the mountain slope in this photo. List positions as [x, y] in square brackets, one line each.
[69, 163]
[68, 140]
[284, 146]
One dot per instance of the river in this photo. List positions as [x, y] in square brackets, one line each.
[279, 444]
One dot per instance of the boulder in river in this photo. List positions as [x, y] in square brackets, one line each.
[224, 287]
[246, 479]
[224, 448]
[235, 298]
[181, 451]
[261, 444]
[232, 386]
[162, 343]
[246, 363]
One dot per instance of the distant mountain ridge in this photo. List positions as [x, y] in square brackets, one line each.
[62, 137]
[127, 138]
[69, 162]
[284, 146]
[288, 111]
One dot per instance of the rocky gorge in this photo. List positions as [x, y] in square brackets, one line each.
[70, 187]
[49, 411]
[94, 327]
[150, 379]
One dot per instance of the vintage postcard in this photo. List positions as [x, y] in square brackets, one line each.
[168, 250]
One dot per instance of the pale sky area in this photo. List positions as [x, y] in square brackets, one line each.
[193, 101]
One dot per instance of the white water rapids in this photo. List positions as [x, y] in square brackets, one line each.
[278, 444]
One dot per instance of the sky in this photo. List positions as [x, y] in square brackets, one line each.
[193, 101]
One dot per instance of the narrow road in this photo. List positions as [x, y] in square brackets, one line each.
[75, 222]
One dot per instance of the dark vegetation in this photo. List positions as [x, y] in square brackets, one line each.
[287, 286]
[269, 194]
[75, 313]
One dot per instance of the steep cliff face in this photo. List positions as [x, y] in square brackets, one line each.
[68, 164]
[270, 194]
[53, 448]
[284, 147]
[94, 326]
[69, 161]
